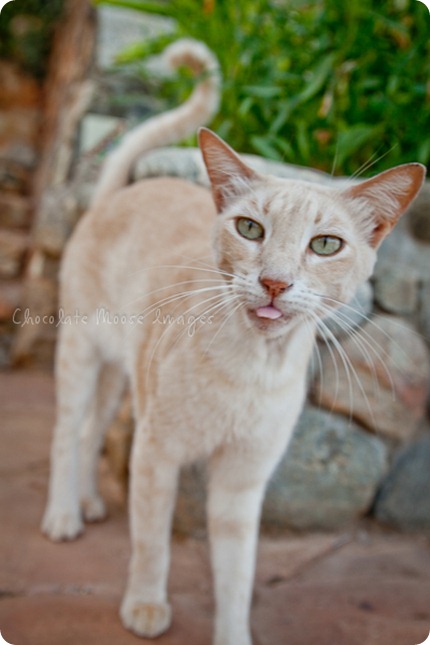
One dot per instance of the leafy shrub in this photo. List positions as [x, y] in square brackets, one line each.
[321, 83]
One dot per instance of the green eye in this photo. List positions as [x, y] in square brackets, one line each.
[249, 229]
[326, 245]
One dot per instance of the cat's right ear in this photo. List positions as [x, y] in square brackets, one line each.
[228, 174]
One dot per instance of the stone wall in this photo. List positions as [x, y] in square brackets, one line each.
[67, 92]
[20, 118]
[37, 138]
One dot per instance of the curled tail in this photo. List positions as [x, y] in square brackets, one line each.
[169, 127]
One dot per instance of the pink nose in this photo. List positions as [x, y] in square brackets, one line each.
[274, 287]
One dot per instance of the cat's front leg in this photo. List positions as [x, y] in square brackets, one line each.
[154, 473]
[237, 483]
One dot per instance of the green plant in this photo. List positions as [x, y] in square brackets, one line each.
[315, 82]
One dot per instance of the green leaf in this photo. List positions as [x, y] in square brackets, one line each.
[423, 154]
[246, 106]
[263, 91]
[264, 147]
[303, 141]
[283, 115]
[320, 75]
[132, 53]
[354, 138]
[286, 148]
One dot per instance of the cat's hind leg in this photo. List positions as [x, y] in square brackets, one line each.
[77, 371]
[110, 387]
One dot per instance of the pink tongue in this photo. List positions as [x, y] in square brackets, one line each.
[268, 312]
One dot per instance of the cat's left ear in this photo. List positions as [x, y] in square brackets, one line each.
[388, 195]
[228, 174]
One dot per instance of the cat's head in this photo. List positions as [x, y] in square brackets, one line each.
[294, 249]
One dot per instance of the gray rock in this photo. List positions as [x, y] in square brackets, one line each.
[404, 497]
[52, 232]
[419, 216]
[381, 376]
[328, 477]
[397, 288]
[425, 311]
[401, 248]
[119, 28]
[351, 316]
[190, 512]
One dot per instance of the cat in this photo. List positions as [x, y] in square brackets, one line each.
[211, 301]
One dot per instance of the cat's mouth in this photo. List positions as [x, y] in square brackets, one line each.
[269, 312]
[268, 316]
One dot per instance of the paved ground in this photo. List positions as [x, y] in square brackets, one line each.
[363, 587]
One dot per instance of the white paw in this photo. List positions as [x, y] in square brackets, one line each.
[233, 639]
[61, 525]
[146, 619]
[93, 508]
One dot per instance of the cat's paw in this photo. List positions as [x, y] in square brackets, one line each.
[58, 526]
[146, 619]
[93, 509]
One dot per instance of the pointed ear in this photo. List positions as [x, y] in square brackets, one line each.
[389, 194]
[227, 172]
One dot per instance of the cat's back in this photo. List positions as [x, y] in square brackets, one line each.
[159, 221]
[153, 215]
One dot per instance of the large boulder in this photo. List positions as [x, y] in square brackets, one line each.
[404, 498]
[328, 477]
[380, 376]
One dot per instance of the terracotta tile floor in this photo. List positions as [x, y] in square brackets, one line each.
[364, 587]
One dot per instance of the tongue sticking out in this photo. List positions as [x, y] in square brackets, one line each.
[268, 312]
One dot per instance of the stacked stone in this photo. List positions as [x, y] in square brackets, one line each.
[20, 116]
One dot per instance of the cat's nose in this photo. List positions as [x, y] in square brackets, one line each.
[274, 287]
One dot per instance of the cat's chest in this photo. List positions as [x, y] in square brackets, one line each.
[200, 402]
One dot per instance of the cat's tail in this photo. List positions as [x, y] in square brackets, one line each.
[169, 127]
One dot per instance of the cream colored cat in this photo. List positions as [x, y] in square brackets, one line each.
[208, 304]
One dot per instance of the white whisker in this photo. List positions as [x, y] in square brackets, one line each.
[371, 341]
[182, 266]
[349, 367]
[226, 319]
[220, 282]
[333, 358]
[219, 297]
[318, 356]
[357, 336]
[179, 296]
